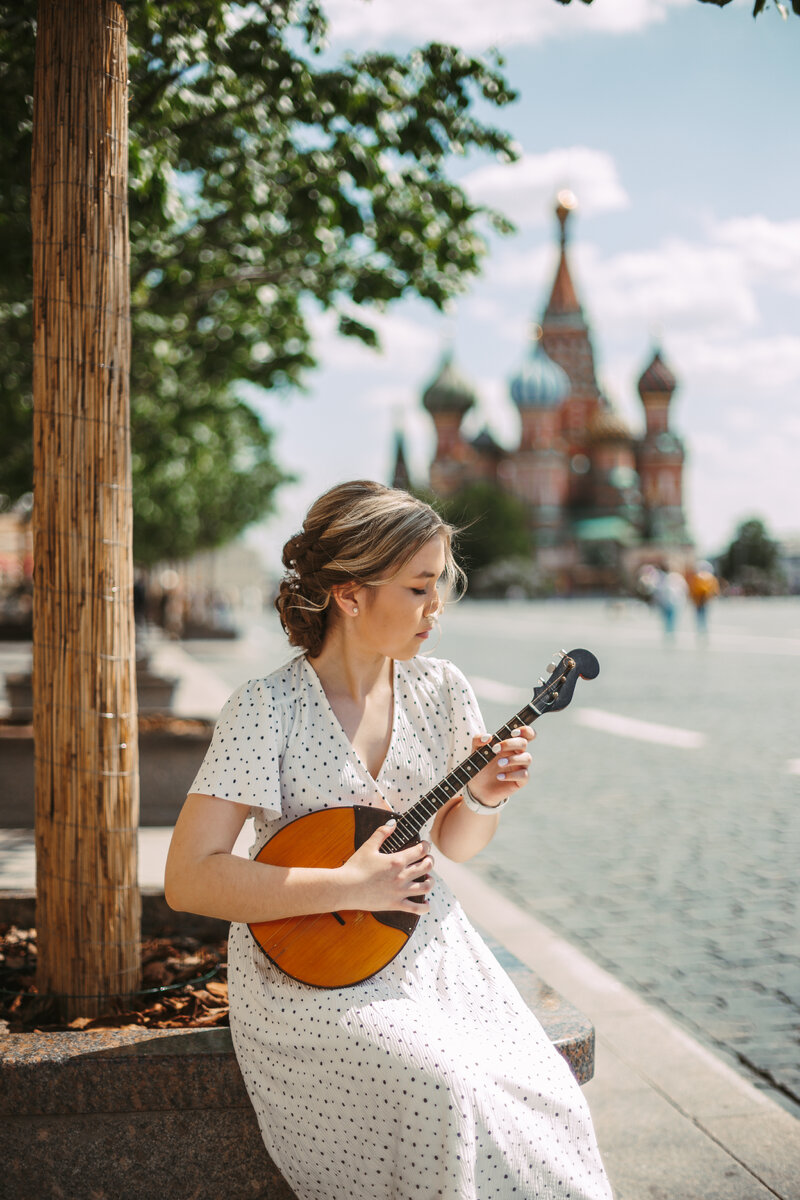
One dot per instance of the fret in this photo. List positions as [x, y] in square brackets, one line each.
[410, 823]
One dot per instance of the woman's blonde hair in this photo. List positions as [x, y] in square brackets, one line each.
[359, 531]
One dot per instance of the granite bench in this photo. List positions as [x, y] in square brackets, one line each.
[128, 1114]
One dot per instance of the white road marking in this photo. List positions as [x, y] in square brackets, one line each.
[794, 766]
[501, 693]
[644, 731]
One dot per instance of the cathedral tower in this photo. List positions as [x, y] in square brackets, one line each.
[566, 339]
[538, 472]
[448, 398]
[661, 456]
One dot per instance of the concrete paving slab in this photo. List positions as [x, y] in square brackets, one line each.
[768, 1144]
[671, 1060]
[654, 1153]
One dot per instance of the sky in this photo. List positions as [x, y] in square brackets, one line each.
[674, 124]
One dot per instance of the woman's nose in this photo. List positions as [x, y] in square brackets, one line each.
[434, 604]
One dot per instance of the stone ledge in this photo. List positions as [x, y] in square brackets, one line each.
[126, 1114]
[147, 1070]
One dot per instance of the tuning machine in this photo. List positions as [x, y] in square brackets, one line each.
[551, 666]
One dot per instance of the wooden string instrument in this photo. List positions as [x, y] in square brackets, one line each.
[340, 949]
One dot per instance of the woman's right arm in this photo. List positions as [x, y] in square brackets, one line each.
[203, 876]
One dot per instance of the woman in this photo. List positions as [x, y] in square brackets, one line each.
[432, 1078]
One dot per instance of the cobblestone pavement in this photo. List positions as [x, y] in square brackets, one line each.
[675, 865]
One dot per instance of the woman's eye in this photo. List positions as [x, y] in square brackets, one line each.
[418, 591]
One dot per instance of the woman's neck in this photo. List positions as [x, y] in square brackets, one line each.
[346, 669]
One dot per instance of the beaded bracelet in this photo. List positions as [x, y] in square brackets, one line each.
[483, 810]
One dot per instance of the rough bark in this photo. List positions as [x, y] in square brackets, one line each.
[88, 905]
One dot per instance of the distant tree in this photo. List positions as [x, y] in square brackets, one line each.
[493, 525]
[752, 559]
[758, 6]
[266, 183]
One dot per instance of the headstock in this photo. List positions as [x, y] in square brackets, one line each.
[567, 668]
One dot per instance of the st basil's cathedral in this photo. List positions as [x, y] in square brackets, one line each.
[601, 501]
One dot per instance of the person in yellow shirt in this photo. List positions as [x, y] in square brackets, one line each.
[703, 587]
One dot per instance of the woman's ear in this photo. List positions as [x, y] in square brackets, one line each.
[346, 597]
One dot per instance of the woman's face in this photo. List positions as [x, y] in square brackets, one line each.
[396, 618]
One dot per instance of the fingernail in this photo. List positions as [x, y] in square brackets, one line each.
[515, 733]
[502, 762]
[390, 823]
[501, 776]
[487, 737]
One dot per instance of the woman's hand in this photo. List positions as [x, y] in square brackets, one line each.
[380, 882]
[509, 771]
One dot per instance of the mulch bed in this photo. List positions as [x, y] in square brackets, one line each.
[184, 984]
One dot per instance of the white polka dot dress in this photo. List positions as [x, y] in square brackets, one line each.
[433, 1078]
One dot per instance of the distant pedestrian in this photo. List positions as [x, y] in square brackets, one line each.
[670, 597]
[703, 588]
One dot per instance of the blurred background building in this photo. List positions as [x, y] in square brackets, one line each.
[601, 501]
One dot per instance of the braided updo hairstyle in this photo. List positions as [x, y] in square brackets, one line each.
[359, 531]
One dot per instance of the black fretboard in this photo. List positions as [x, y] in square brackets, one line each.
[410, 823]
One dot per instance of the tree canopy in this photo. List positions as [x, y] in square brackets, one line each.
[493, 525]
[752, 559]
[267, 182]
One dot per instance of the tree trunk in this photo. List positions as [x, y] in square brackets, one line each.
[87, 789]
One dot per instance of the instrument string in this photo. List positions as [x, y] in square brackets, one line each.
[409, 825]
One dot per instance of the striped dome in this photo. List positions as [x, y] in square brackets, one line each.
[540, 383]
[657, 377]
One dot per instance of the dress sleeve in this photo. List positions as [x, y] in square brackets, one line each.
[243, 761]
[466, 721]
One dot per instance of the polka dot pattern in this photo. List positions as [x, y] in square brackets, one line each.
[433, 1079]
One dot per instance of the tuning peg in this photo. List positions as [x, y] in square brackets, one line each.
[551, 666]
[542, 679]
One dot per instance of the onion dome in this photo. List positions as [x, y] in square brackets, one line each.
[657, 377]
[608, 426]
[449, 391]
[540, 383]
[484, 443]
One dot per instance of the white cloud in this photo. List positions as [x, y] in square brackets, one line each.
[757, 362]
[474, 24]
[769, 249]
[677, 285]
[513, 268]
[735, 474]
[525, 191]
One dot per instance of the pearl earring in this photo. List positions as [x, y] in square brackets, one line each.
[355, 610]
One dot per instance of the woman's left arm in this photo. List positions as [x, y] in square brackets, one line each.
[460, 833]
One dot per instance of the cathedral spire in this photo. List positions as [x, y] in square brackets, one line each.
[563, 304]
[400, 477]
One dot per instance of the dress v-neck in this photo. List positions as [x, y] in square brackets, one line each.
[317, 683]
